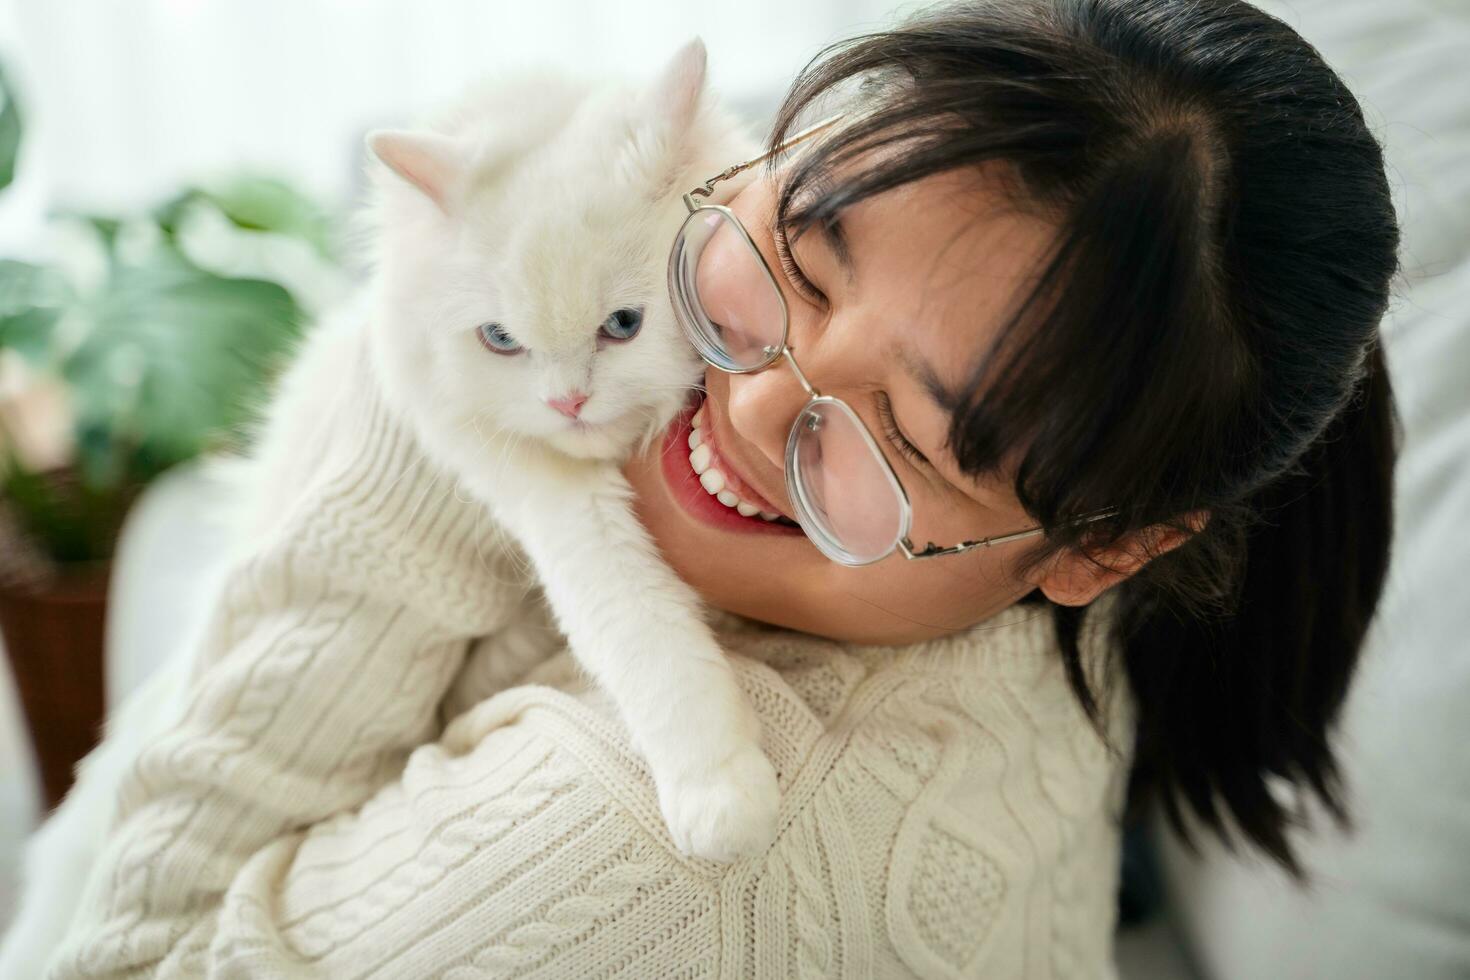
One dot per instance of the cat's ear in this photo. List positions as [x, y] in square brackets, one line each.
[434, 163]
[675, 95]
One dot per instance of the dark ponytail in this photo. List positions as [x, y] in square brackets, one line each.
[1201, 339]
[1230, 699]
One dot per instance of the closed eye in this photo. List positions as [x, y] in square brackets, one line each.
[794, 275]
[890, 429]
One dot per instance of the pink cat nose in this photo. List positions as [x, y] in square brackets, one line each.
[569, 404]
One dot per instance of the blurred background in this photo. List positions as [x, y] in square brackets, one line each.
[173, 178]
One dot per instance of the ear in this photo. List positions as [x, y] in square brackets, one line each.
[1075, 579]
[432, 162]
[674, 97]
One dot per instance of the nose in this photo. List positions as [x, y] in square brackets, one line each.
[761, 407]
[569, 404]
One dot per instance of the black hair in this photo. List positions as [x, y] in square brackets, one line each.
[1202, 338]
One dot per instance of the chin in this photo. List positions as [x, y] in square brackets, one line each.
[611, 441]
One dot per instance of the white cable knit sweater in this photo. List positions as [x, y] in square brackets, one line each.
[947, 810]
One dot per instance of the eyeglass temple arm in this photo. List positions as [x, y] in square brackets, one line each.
[933, 550]
[708, 187]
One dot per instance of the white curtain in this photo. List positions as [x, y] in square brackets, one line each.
[126, 101]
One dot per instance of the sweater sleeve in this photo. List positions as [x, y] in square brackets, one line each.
[323, 665]
[526, 842]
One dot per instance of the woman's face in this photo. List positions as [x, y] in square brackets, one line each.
[903, 299]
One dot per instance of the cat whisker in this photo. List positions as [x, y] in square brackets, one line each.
[657, 386]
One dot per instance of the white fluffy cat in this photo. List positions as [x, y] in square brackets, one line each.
[518, 321]
[521, 324]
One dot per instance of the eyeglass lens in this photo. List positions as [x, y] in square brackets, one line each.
[842, 485]
[733, 312]
[844, 494]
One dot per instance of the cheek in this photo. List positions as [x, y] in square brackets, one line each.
[787, 583]
[718, 280]
[659, 354]
[657, 368]
[471, 381]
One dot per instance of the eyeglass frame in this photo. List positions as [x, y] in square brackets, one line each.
[773, 354]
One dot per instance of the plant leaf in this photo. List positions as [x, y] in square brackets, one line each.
[9, 132]
[70, 519]
[169, 361]
[258, 204]
[30, 298]
[28, 333]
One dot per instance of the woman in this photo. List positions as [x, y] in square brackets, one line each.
[1111, 269]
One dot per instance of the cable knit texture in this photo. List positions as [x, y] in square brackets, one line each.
[947, 810]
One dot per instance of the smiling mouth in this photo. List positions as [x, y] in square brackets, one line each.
[715, 475]
[708, 486]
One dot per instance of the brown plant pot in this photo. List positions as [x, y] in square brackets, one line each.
[53, 639]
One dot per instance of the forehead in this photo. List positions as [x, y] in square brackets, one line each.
[561, 228]
[940, 263]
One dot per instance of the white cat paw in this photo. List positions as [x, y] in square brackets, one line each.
[726, 813]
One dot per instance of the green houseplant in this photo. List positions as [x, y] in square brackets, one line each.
[134, 350]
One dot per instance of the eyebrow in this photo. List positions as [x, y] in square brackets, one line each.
[928, 379]
[836, 238]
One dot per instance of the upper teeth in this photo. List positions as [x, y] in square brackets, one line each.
[702, 461]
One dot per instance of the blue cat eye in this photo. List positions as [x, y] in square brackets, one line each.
[496, 340]
[623, 324]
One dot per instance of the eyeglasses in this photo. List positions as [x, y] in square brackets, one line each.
[847, 497]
